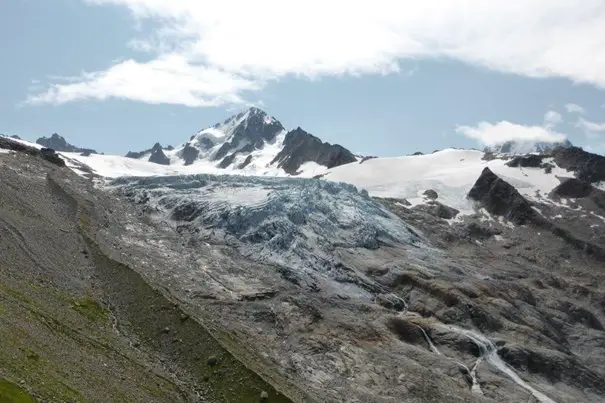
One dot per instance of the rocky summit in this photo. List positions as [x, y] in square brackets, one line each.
[58, 143]
[253, 263]
[250, 142]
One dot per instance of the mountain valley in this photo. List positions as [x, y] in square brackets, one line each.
[256, 263]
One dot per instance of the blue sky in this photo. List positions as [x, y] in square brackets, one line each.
[383, 77]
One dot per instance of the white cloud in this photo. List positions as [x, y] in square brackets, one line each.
[591, 126]
[592, 130]
[246, 43]
[169, 79]
[575, 108]
[498, 133]
[552, 118]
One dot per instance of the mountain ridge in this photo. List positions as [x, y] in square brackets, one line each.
[249, 139]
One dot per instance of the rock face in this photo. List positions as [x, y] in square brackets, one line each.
[587, 166]
[189, 154]
[137, 154]
[574, 188]
[256, 130]
[431, 194]
[526, 161]
[500, 198]
[157, 155]
[301, 147]
[58, 143]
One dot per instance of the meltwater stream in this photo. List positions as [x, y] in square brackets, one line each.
[489, 354]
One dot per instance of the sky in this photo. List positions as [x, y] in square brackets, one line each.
[381, 77]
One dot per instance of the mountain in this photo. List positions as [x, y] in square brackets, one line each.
[58, 143]
[443, 277]
[525, 147]
[250, 141]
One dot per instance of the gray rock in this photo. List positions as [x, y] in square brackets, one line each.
[301, 147]
[431, 194]
[500, 198]
[157, 155]
[58, 143]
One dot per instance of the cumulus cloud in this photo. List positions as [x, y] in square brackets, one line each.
[492, 134]
[244, 44]
[552, 118]
[575, 108]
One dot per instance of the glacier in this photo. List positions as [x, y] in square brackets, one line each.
[294, 223]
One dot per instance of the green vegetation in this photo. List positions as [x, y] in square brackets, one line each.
[11, 393]
[90, 308]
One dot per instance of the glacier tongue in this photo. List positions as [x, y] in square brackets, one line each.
[294, 223]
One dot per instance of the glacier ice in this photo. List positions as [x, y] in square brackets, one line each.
[293, 222]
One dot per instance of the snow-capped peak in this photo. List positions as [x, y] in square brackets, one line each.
[250, 123]
[251, 142]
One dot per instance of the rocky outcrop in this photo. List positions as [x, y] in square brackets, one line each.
[588, 167]
[256, 130]
[554, 366]
[431, 194]
[573, 188]
[137, 154]
[585, 194]
[58, 143]
[301, 147]
[189, 154]
[498, 197]
[526, 161]
[48, 154]
[157, 155]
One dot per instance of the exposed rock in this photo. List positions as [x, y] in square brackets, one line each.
[228, 160]
[431, 194]
[476, 230]
[246, 162]
[137, 154]
[588, 167]
[189, 154]
[301, 147]
[442, 211]
[500, 198]
[554, 366]
[157, 155]
[390, 301]
[418, 153]
[406, 331]
[526, 161]
[58, 143]
[573, 188]
[48, 155]
[437, 209]
[14, 136]
[256, 130]
[364, 159]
